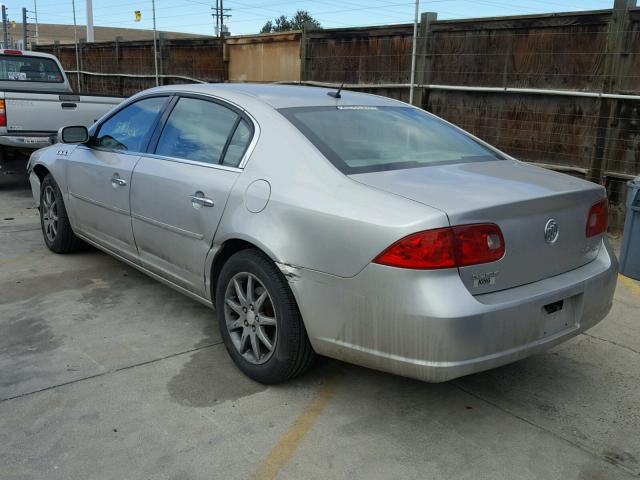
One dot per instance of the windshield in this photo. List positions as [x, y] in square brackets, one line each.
[23, 68]
[368, 139]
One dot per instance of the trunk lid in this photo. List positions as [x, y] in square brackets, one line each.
[520, 199]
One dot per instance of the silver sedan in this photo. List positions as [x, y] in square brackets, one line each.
[334, 223]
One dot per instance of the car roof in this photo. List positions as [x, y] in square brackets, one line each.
[283, 96]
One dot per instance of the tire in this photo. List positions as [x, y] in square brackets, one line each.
[56, 229]
[275, 318]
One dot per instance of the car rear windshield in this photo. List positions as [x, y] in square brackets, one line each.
[24, 68]
[368, 139]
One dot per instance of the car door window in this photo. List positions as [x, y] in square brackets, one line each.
[238, 144]
[130, 129]
[197, 130]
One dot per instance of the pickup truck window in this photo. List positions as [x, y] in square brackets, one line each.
[130, 129]
[25, 68]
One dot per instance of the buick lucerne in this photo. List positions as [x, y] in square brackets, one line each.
[336, 223]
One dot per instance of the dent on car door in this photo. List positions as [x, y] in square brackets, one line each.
[99, 174]
[179, 192]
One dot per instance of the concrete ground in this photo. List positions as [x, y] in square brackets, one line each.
[106, 374]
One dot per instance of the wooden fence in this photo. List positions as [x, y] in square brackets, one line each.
[530, 85]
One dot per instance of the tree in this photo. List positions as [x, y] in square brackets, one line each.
[302, 20]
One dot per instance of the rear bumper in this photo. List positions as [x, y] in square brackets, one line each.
[427, 325]
[25, 142]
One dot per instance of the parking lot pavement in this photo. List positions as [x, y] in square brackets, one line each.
[107, 374]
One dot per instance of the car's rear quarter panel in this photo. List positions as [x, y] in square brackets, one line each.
[316, 217]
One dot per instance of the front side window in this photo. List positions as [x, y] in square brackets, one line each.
[25, 68]
[197, 130]
[130, 129]
[360, 139]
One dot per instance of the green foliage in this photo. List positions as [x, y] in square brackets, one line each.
[302, 20]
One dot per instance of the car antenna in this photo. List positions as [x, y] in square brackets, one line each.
[336, 94]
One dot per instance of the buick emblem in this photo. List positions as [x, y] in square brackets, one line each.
[551, 231]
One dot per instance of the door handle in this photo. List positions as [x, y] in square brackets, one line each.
[198, 200]
[116, 181]
[69, 105]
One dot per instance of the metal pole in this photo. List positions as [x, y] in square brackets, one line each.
[24, 29]
[90, 38]
[155, 48]
[413, 51]
[75, 40]
[35, 13]
[5, 32]
[221, 18]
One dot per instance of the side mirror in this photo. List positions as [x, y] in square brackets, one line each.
[76, 134]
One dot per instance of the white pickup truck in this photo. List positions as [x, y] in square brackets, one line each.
[35, 101]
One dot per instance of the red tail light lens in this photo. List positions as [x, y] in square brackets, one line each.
[478, 244]
[598, 219]
[3, 115]
[448, 247]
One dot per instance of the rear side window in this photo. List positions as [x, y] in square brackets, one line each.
[238, 144]
[24, 68]
[368, 139]
[130, 129]
[197, 130]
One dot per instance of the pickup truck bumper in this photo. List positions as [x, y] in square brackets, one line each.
[30, 142]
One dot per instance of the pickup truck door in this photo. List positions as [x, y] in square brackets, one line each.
[99, 175]
[36, 112]
[179, 191]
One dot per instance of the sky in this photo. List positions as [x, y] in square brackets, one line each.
[248, 16]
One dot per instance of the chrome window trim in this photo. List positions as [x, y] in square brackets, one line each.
[250, 148]
[169, 93]
[215, 166]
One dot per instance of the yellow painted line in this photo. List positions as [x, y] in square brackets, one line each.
[281, 453]
[19, 258]
[630, 284]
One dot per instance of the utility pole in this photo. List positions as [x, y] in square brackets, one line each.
[219, 16]
[75, 40]
[413, 52]
[155, 47]
[35, 13]
[24, 29]
[5, 31]
[90, 38]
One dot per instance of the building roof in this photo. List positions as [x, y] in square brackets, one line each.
[50, 33]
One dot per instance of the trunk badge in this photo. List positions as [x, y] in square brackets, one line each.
[551, 231]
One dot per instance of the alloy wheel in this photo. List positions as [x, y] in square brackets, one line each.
[49, 213]
[250, 318]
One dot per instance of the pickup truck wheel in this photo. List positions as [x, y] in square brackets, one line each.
[56, 229]
[259, 319]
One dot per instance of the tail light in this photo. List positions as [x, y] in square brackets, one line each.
[598, 219]
[12, 52]
[3, 115]
[448, 247]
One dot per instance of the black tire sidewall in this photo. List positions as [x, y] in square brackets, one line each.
[64, 228]
[288, 321]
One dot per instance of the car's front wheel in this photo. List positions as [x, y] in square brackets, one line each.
[56, 229]
[259, 319]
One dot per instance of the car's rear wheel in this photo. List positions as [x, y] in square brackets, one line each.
[259, 319]
[56, 229]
